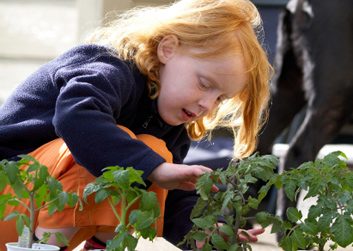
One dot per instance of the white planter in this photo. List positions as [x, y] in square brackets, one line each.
[12, 246]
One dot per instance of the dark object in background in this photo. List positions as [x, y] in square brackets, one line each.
[314, 76]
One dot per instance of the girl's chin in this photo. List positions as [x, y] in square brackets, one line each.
[174, 121]
[171, 121]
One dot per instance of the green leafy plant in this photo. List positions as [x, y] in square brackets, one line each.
[231, 204]
[330, 219]
[31, 181]
[123, 185]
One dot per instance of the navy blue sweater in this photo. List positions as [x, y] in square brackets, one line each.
[80, 97]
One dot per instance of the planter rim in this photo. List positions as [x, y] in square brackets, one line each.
[36, 246]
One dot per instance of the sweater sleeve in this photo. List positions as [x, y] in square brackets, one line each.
[91, 99]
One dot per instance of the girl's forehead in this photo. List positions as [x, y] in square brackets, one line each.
[228, 72]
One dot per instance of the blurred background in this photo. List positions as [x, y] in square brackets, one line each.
[33, 32]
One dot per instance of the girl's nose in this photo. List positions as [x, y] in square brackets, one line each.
[208, 102]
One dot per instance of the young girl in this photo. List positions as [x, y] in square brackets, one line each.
[172, 73]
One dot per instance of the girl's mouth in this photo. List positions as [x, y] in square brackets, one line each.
[188, 115]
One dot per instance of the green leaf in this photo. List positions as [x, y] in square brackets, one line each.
[278, 226]
[310, 227]
[101, 195]
[298, 238]
[53, 186]
[3, 180]
[204, 185]
[229, 195]
[199, 208]
[25, 219]
[332, 158]
[135, 176]
[287, 244]
[149, 233]
[45, 237]
[72, 199]
[117, 243]
[324, 222]
[290, 189]
[20, 189]
[219, 242]
[205, 222]
[264, 190]
[199, 236]
[11, 216]
[61, 201]
[144, 220]
[12, 171]
[293, 214]
[130, 242]
[253, 203]
[264, 219]
[134, 215]
[234, 247]
[343, 230]
[90, 189]
[227, 230]
[4, 198]
[148, 201]
[51, 208]
[249, 179]
[121, 178]
[41, 178]
[314, 211]
[19, 224]
[207, 247]
[61, 239]
[13, 201]
[41, 195]
[314, 188]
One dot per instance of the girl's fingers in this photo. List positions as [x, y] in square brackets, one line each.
[187, 186]
[199, 244]
[249, 235]
[243, 235]
[214, 189]
[256, 231]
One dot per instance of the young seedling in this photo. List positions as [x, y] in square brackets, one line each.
[329, 222]
[30, 182]
[231, 204]
[122, 186]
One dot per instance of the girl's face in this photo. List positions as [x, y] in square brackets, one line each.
[192, 87]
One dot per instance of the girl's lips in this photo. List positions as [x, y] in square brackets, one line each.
[187, 115]
[191, 114]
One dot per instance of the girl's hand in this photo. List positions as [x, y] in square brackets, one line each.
[243, 236]
[178, 176]
[249, 235]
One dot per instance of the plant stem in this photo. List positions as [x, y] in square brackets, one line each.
[113, 209]
[22, 203]
[46, 204]
[132, 202]
[31, 218]
[123, 208]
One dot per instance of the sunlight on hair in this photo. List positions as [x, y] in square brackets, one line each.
[221, 27]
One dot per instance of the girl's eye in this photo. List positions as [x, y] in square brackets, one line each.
[203, 85]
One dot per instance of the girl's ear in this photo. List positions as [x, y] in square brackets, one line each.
[167, 48]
